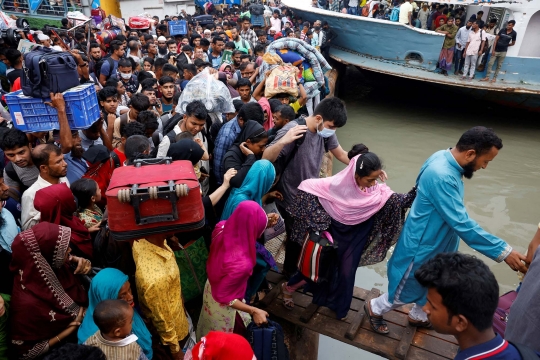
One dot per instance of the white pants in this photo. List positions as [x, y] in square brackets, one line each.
[470, 60]
[312, 104]
[382, 305]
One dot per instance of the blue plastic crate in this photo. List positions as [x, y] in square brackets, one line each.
[33, 115]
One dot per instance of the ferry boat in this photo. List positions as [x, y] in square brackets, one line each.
[396, 49]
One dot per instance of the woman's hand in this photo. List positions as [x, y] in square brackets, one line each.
[276, 195]
[83, 265]
[228, 176]
[383, 177]
[95, 228]
[259, 316]
[244, 149]
[272, 220]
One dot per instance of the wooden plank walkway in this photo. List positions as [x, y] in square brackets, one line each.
[403, 341]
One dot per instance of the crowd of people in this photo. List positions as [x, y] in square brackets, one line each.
[61, 286]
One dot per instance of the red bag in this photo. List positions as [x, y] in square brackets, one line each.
[318, 256]
[152, 197]
[139, 23]
[500, 318]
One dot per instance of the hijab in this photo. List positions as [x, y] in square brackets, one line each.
[250, 129]
[258, 182]
[232, 252]
[269, 123]
[105, 286]
[217, 345]
[57, 205]
[186, 149]
[343, 200]
[46, 294]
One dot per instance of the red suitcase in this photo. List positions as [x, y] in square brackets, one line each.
[154, 196]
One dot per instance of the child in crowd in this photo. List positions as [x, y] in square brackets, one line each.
[88, 194]
[114, 319]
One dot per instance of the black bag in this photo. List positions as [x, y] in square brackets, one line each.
[267, 341]
[97, 67]
[46, 71]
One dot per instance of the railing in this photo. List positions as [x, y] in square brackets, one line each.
[47, 8]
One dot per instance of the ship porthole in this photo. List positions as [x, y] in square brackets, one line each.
[414, 57]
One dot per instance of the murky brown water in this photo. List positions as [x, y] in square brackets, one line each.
[404, 123]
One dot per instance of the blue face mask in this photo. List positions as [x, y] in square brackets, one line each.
[325, 133]
[3, 68]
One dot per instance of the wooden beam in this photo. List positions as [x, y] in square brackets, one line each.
[405, 342]
[360, 315]
[308, 312]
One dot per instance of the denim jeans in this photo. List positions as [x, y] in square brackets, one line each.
[352, 10]
[459, 61]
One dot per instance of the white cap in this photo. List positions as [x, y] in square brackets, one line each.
[207, 31]
[43, 37]
[161, 38]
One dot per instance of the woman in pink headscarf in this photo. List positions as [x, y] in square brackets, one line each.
[230, 264]
[363, 216]
[268, 119]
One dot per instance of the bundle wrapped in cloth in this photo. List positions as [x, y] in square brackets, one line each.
[298, 52]
[208, 89]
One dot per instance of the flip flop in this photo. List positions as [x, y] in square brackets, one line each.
[421, 324]
[376, 322]
[288, 303]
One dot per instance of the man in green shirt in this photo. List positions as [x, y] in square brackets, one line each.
[447, 53]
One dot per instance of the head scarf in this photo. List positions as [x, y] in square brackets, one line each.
[250, 129]
[232, 252]
[57, 205]
[258, 181]
[46, 294]
[105, 286]
[341, 197]
[268, 124]
[186, 149]
[224, 66]
[217, 345]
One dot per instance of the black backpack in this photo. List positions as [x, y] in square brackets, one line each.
[97, 67]
[267, 341]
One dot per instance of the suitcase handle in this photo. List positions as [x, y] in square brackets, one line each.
[142, 162]
[171, 192]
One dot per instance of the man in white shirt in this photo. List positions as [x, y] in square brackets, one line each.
[475, 46]
[461, 41]
[49, 159]
[275, 21]
[405, 13]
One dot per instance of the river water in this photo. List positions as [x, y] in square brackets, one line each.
[404, 122]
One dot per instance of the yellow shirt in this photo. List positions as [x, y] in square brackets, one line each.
[296, 106]
[160, 293]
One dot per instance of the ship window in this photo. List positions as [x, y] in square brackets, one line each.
[414, 57]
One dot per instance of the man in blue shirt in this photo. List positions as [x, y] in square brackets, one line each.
[215, 56]
[462, 297]
[228, 133]
[106, 71]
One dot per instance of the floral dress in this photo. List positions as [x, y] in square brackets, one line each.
[217, 317]
[91, 217]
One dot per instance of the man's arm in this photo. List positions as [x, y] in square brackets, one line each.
[494, 45]
[302, 100]
[258, 93]
[341, 155]
[66, 140]
[272, 152]
[105, 137]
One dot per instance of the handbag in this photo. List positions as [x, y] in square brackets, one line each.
[318, 256]
[279, 228]
[500, 318]
[267, 341]
[191, 260]
[46, 71]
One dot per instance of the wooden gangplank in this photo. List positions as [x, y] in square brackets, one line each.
[403, 341]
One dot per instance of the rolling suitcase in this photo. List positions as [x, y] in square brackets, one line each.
[152, 197]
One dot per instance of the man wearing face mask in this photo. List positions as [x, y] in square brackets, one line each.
[125, 74]
[297, 161]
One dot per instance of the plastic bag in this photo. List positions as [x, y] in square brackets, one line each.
[206, 88]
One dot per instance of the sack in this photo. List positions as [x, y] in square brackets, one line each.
[267, 341]
[155, 196]
[282, 79]
[319, 254]
[46, 71]
[191, 260]
[500, 318]
[277, 230]
[394, 15]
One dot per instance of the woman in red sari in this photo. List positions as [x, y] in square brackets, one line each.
[57, 205]
[48, 301]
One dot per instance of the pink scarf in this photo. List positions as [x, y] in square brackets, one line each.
[343, 200]
[269, 123]
[233, 253]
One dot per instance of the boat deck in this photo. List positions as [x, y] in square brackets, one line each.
[403, 341]
[409, 71]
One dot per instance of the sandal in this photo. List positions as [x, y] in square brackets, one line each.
[419, 323]
[376, 322]
[288, 301]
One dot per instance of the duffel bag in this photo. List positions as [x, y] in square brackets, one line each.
[154, 196]
[267, 341]
[47, 71]
[318, 256]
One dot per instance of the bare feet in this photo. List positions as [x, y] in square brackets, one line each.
[485, 79]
